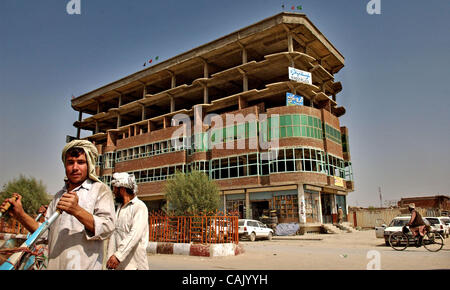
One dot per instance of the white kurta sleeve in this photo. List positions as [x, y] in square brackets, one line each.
[104, 215]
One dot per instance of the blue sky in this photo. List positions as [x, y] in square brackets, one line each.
[395, 79]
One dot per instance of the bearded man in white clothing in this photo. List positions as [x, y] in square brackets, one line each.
[127, 249]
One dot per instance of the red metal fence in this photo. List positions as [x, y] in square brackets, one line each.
[199, 228]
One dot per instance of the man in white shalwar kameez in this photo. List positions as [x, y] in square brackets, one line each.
[76, 237]
[127, 249]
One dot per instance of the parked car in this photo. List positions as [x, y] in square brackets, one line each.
[446, 221]
[396, 225]
[219, 228]
[438, 225]
[253, 229]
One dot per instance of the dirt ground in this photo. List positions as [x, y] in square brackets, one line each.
[347, 251]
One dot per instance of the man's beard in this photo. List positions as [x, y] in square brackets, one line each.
[118, 199]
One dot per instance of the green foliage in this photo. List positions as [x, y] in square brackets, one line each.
[191, 193]
[33, 192]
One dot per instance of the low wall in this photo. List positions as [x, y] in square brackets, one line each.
[371, 218]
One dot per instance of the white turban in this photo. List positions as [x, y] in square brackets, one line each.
[91, 155]
[123, 179]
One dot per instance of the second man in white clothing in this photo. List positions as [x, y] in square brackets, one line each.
[127, 249]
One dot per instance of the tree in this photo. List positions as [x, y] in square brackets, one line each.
[33, 192]
[191, 193]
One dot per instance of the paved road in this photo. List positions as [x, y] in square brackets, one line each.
[347, 251]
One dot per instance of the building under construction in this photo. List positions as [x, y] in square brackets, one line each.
[245, 73]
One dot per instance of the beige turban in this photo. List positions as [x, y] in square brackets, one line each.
[91, 155]
[123, 179]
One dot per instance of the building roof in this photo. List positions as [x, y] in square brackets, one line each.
[267, 30]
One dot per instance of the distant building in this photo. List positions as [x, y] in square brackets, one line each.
[437, 202]
[281, 67]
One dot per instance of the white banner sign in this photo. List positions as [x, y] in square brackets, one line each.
[300, 76]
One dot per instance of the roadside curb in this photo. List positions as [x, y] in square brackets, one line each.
[203, 250]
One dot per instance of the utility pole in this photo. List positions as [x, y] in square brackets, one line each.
[381, 199]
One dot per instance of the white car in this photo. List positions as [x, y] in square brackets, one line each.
[253, 229]
[396, 225]
[438, 225]
[446, 221]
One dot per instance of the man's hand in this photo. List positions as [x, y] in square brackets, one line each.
[69, 203]
[43, 209]
[16, 209]
[112, 263]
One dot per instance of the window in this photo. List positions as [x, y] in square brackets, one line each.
[297, 125]
[99, 162]
[345, 146]
[297, 159]
[335, 166]
[109, 160]
[332, 134]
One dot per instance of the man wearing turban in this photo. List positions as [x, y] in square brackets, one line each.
[76, 237]
[127, 248]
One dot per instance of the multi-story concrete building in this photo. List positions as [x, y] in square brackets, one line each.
[243, 75]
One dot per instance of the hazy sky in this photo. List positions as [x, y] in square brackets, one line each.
[395, 80]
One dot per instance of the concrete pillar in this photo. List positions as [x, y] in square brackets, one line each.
[320, 208]
[120, 101]
[205, 94]
[244, 55]
[143, 112]
[205, 70]
[248, 212]
[242, 103]
[97, 129]
[244, 82]
[98, 107]
[172, 104]
[80, 117]
[198, 119]
[224, 202]
[301, 204]
[144, 92]
[119, 120]
[174, 81]
[333, 205]
[290, 42]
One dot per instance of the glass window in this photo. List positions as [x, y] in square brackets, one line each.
[296, 120]
[289, 131]
[304, 119]
[282, 132]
